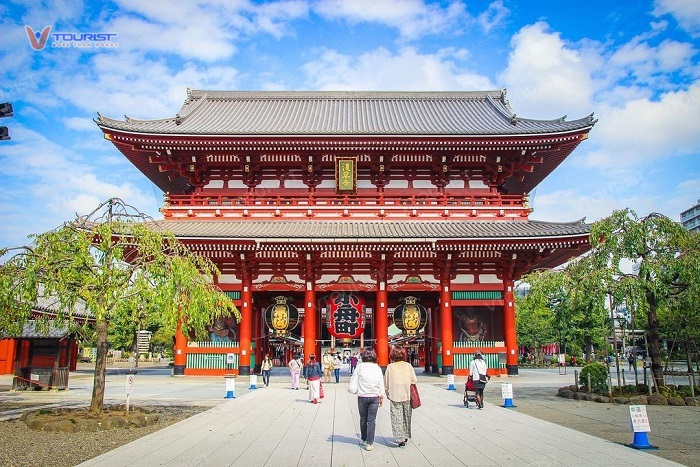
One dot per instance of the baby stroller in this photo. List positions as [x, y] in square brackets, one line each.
[469, 392]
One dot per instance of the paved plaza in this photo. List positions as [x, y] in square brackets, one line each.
[277, 426]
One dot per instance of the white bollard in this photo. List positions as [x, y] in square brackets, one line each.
[253, 381]
[230, 386]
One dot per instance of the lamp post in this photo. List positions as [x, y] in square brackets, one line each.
[141, 317]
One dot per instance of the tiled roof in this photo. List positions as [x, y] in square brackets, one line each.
[309, 230]
[31, 330]
[286, 113]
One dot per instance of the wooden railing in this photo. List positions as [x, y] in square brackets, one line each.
[312, 199]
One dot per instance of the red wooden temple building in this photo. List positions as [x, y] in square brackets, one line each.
[333, 216]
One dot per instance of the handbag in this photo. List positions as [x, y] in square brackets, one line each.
[354, 385]
[321, 390]
[470, 383]
[415, 397]
[482, 378]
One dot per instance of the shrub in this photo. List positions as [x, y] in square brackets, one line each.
[599, 376]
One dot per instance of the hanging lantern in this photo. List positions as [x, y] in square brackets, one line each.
[281, 317]
[410, 316]
[345, 317]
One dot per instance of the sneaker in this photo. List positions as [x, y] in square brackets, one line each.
[369, 447]
[402, 444]
[315, 401]
[363, 442]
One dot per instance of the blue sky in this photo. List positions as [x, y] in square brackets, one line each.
[634, 64]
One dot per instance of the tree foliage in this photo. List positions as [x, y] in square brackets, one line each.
[119, 267]
[666, 265]
[566, 313]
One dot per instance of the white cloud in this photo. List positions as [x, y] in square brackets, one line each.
[382, 70]
[52, 180]
[546, 76]
[494, 16]
[686, 12]
[79, 123]
[644, 130]
[115, 84]
[204, 30]
[413, 18]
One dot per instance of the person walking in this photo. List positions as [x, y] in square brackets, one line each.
[295, 366]
[265, 368]
[368, 383]
[477, 370]
[313, 376]
[353, 363]
[337, 363]
[327, 362]
[398, 378]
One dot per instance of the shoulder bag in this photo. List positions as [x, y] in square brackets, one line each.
[415, 397]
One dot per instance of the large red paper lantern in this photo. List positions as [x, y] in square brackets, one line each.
[345, 315]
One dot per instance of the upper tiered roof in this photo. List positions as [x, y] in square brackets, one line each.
[346, 113]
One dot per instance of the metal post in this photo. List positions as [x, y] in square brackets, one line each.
[691, 380]
[576, 378]
[589, 382]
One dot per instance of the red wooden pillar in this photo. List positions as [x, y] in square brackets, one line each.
[446, 324]
[73, 358]
[246, 327]
[509, 325]
[381, 325]
[180, 357]
[8, 352]
[310, 322]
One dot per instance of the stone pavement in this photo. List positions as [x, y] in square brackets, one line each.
[277, 426]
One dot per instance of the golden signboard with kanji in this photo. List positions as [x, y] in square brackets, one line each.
[346, 175]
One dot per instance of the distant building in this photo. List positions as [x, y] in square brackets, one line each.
[690, 218]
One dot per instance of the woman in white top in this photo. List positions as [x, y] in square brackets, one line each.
[477, 370]
[368, 383]
[337, 363]
[295, 366]
[398, 379]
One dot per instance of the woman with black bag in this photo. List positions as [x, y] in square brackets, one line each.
[477, 370]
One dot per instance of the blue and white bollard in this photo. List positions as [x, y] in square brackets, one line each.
[450, 382]
[640, 425]
[253, 381]
[507, 394]
[230, 387]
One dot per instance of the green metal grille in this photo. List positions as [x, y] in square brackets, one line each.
[210, 361]
[477, 295]
[462, 361]
[234, 295]
[478, 344]
[213, 344]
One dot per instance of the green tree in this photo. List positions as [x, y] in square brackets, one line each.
[112, 262]
[665, 261]
[535, 320]
[575, 297]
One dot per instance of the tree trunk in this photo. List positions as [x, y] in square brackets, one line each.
[98, 385]
[588, 344]
[654, 341]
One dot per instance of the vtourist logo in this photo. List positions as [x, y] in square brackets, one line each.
[70, 39]
[38, 40]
